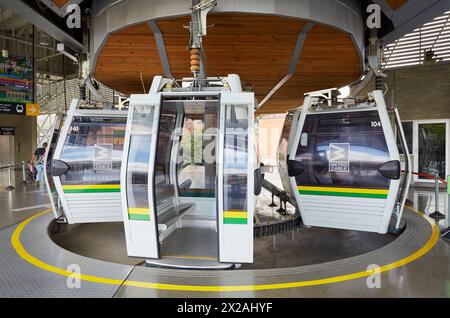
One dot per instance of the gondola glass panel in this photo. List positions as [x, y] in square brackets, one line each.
[138, 164]
[165, 195]
[93, 151]
[342, 150]
[197, 167]
[343, 169]
[235, 165]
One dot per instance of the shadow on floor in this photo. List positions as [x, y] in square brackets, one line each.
[106, 241]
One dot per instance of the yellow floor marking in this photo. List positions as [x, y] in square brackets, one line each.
[16, 243]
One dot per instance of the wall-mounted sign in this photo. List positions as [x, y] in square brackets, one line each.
[27, 109]
[7, 131]
[16, 79]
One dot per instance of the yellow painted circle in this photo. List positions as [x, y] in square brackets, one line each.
[16, 243]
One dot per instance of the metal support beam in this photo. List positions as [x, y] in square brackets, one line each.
[294, 61]
[29, 14]
[413, 15]
[161, 49]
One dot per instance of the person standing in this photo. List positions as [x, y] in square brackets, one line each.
[38, 158]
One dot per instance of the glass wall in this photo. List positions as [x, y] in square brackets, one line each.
[432, 148]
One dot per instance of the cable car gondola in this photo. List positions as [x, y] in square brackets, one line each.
[344, 165]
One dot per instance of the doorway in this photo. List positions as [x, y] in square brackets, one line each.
[431, 148]
[185, 181]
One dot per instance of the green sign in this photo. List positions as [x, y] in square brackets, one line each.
[448, 185]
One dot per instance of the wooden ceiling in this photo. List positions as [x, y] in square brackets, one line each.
[395, 4]
[257, 47]
[60, 3]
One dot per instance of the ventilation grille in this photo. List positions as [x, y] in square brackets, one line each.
[411, 49]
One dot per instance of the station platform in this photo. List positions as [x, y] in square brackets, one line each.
[34, 264]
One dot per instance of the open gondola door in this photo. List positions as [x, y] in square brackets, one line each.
[344, 165]
[137, 190]
[237, 164]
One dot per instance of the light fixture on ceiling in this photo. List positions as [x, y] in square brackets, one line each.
[44, 40]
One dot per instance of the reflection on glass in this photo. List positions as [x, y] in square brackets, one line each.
[408, 130]
[137, 171]
[364, 150]
[48, 163]
[432, 139]
[235, 163]
[93, 151]
[197, 155]
[164, 187]
[283, 153]
[138, 163]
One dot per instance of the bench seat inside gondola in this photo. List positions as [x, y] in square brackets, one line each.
[172, 214]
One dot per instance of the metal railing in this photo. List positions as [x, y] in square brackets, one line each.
[10, 168]
[437, 215]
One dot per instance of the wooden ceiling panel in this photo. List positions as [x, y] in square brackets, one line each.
[256, 47]
[125, 55]
[60, 3]
[395, 4]
[328, 59]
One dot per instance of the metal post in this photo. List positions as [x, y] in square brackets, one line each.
[273, 204]
[24, 177]
[436, 215]
[10, 186]
[274, 247]
[446, 234]
[436, 197]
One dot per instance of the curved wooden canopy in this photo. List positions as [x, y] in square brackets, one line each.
[257, 47]
[395, 4]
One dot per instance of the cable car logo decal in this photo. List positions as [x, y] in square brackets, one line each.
[339, 157]
[103, 157]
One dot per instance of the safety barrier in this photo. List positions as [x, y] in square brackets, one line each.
[10, 168]
[437, 216]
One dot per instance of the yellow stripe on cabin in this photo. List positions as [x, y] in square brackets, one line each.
[344, 190]
[235, 215]
[143, 211]
[91, 186]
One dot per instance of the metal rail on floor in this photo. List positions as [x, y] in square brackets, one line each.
[10, 168]
[278, 227]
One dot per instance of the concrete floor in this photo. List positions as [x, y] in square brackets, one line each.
[428, 276]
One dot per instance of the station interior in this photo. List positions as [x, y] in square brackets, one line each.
[213, 148]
